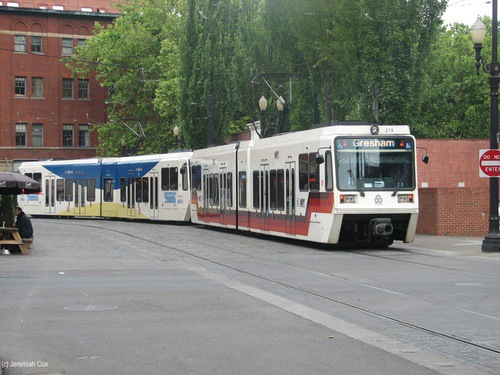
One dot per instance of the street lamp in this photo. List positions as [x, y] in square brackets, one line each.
[491, 242]
[270, 122]
[177, 132]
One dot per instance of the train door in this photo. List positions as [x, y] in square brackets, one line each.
[153, 195]
[290, 197]
[264, 196]
[223, 195]
[80, 194]
[128, 195]
[50, 195]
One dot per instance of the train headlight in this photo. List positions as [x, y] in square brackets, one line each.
[405, 198]
[347, 199]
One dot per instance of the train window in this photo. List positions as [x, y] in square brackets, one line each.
[313, 172]
[123, 189]
[68, 190]
[141, 190]
[37, 177]
[108, 190]
[215, 190]
[174, 178]
[328, 171]
[303, 172]
[256, 201]
[60, 190]
[30, 175]
[243, 189]
[91, 190]
[229, 189]
[169, 178]
[308, 172]
[281, 190]
[273, 190]
[196, 177]
[145, 189]
[165, 179]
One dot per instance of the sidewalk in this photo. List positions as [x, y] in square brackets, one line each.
[466, 246]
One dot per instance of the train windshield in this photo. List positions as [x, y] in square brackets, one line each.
[375, 163]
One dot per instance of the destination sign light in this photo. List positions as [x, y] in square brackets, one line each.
[374, 143]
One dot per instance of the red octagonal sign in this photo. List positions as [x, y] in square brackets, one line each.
[489, 163]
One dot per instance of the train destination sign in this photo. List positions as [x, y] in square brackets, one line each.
[374, 143]
[489, 163]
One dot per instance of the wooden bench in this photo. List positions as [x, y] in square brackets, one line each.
[10, 236]
[27, 242]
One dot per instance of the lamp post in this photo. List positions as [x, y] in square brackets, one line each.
[491, 242]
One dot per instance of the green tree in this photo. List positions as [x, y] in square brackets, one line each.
[7, 209]
[136, 58]
[455, 101]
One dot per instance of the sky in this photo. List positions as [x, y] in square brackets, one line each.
[466, 11]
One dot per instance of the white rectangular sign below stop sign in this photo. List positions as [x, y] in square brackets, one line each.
[489, 163]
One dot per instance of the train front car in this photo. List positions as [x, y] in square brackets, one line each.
[376, 195]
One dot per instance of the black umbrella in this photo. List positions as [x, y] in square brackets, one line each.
[16, 183]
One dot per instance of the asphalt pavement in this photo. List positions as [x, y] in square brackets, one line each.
[466, 246]
[111, 297]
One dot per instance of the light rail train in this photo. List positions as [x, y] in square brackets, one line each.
[341, 184]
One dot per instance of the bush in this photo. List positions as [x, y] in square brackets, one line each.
[7, 209]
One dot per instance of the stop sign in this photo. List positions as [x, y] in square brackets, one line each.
[489, 163]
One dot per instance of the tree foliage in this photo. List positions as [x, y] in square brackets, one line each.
[198, 64]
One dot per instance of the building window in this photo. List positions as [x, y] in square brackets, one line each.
[83, 89]
[37, 135]
[67, 135]
[83, 136]
[36, 87]
[20, 86]
[36, 44]
[67, 46]
[57, 7]
[20, 43]
[20, 134]
[67, 88]
[81, 42]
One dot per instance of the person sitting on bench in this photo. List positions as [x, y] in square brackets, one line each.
[23, 223]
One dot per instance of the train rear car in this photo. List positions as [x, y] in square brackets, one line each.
[353, 184]
[150, 187]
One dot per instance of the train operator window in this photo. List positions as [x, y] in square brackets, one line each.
[108, 190]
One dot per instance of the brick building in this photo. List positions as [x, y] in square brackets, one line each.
[45, 112]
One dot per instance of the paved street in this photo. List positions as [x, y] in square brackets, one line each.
[111, 297]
